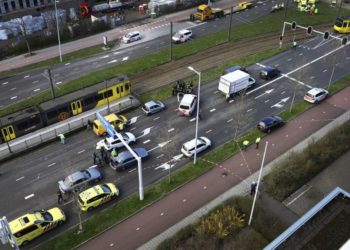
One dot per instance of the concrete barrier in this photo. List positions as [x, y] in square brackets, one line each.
[51, 132]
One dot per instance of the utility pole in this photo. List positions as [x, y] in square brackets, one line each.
[229, 29]
[171, 41]
[47, 75]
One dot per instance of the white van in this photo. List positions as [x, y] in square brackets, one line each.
[188, 105]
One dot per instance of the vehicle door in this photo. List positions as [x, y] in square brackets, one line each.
[47, 226]
[200, 146]
[8, 133]
[128, 162]
[115, 143]
[103, 198]
[76, 107]
[320, 96]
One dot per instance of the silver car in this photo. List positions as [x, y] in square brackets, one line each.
[126, 159]
[188, 148]
[76, 179]
[153, 107]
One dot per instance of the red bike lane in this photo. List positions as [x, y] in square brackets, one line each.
[138, 229]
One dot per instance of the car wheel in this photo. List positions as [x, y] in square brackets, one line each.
[60, 222]
[268, 131]
[90, 209]
[25, 243]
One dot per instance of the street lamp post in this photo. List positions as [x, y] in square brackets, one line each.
[58, 32]
[197, 117]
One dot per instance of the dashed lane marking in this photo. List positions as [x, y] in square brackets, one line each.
[147, 141]
[58, 83]
[35, 81]
[156, 118]
[249, 110]
[193, 119]
[208, 131]
[212, 110]
[26, 76]
[20, 178]
[82, 151]
[231, 101]
[13, 89]
[4, 83]
[170, 130]
[13, 97]
[267, 101]
[324, 71]
[67, 64]
[230, 120]
[125, 58]
[36, 90]
[52, 164]
[29, 196]
[283, 92]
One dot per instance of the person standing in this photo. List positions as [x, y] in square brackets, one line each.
[59, 197]
[245, 145]
[62, 138]
[253, 188]
[257, 141]
[114, 153]
[94, 157]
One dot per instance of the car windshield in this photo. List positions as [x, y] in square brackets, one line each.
[46, 215]
[200, 141]
[177, 35]
[184, 107]
[105, 188]
[309, 95]
[262, 124]
[145, 107]
[339, 22]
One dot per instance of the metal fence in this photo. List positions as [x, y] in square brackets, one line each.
[74, 123]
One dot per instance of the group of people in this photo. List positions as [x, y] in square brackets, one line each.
[245, 144]
[182, 87]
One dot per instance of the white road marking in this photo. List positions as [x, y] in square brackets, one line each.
[283, 92]
[249, 110]
[4, 83]
[133, 120]
[147, 47]
[145, 132]
[312, 77]
[147, 141]
[267, 101]
[276, 65]
[184, 200]
[205, 187]
[58, 83]
[193, 119]
[29, 196]
[266, 92]
[13, 89]
[160, 156]
[13, 97]
[26, 76]
[35, 90]
[20, 178]
[103, 57]
[229, 120]
[132, 170]
[52, 164]
[348, 58]
[137, 229]
[217, 91]
[156, 118]
[67, 64]
[125, 58]
[113, 61]
[132, 129]
[212, 110]
[207, 132]
[35, 81]
[170, 130]
[82, 151]
[298, 196]
[300, 54]
[289, 59]
[324, 71]
[161, 214]
[300, 82]
[230, 101]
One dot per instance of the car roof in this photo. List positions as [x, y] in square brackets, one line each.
[184, 31]
[126, 154]
[150, 103]
[187, 98]
[76, 176]
[315, 91]
[269, 69]
[134, 33]
[191, 143]
[91, 192]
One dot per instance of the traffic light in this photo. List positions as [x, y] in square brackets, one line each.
[344, 41]
[294, 25]
[326, 35]
[309, 30]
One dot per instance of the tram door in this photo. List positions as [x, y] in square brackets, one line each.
[76, 106]
[8, 133]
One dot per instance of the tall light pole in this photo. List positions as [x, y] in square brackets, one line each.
[197, 117]
[58, 33]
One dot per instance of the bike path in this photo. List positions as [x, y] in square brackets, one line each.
[151, 225]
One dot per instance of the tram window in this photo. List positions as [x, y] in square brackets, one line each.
[89, 100]
[5, 132]
[117, 88]
[22, 125]
[121, 88]
[73, 106]
[63, 110]
[52, 114]
[108, 93]
[99, 97]
[34, 120]
[11, 130]
[127, 86]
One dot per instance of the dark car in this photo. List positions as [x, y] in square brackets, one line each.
[269, 123]
[269, 73]
[153, 107]
[125, 159]
[78, 178]
[234, 68]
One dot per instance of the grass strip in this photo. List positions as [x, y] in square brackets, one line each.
[260, 25]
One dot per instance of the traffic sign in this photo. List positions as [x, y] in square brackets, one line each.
[107, 126]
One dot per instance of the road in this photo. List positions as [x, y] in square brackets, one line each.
[156, 36]
[36, 174]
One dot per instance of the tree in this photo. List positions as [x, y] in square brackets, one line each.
[19, 26]
[221, 223]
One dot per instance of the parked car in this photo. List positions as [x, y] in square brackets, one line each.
[234, 68]
[114, 142]
[131, 37]
[78, 178]
[182, 36]
[269, 123]
[188, 148]
[125, 159]
[97, 195]
[153, 107]
[31, 225]
[315, 95]
[269, 73]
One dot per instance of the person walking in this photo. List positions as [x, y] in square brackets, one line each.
[253, 188]
[121, 127]
[94, 157]
[89, 124]
[245, 145]
[257, 141]
[114, 153]
[59, 197]
[62, 138]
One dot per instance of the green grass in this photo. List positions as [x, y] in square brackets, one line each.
[264, 24]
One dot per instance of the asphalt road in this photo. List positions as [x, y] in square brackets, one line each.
[156, 36]
[35, 175]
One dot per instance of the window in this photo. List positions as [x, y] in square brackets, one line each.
[35, 2]
[108, 93]
[127, 86]
[121, 88]
[13, 5]
[99, 97]
[28, 3]
[117, 88]
[34, 120]
[6, 5]
[11, 130]
[22, 125]
[90, 100]
[26, 231]
[21, 4]
[52, 114]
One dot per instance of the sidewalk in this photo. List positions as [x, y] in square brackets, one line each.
[134, 22]
[186, 204]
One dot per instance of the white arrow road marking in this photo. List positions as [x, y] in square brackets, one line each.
[266, 92]
[113, 61]
[163, 143]
[125, 58]
[177, 157]
[133, 120]
[165, 166]
[29, 196]
[103, 57]
[20, 178]
[279, 104]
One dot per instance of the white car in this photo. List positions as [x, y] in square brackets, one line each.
[113, 142]
[131, 37]
[315, 95]
[188, 148]
[182, 36]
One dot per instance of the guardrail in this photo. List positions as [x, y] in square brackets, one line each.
[51, 132]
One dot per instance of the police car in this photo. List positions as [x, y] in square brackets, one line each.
[315, 95]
